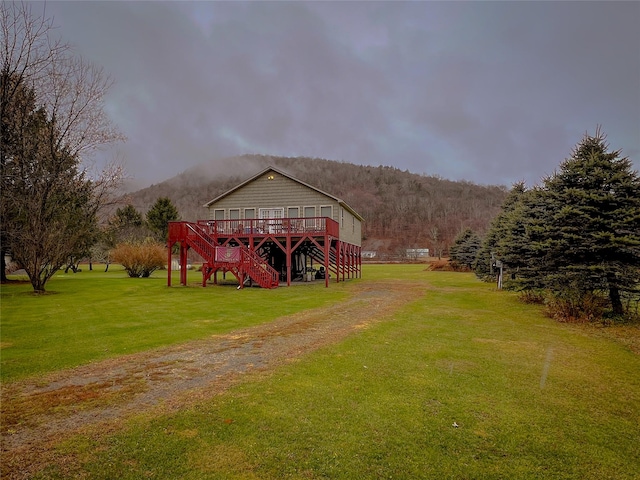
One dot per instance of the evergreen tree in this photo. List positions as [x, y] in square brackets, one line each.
[159, 215]
[494, 245]
[591, 233]
[465, 248]
[521, 245]
[127, 225]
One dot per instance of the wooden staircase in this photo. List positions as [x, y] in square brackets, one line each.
[243, 263]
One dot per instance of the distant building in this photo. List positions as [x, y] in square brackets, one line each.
[415, 253]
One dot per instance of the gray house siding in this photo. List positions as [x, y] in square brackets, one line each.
[273, 190]
[350, 227]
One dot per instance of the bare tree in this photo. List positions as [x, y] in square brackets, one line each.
[50, 202]
[436, 241]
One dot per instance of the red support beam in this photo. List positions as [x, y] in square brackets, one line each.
[327, 250]
[183, 263]
[288, 259]
[169, 248]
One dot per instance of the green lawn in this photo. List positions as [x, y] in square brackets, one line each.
[531, 398]
[92, 315]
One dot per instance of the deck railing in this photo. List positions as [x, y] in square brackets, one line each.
[271, 226]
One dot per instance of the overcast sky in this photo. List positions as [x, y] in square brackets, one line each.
[490, 92]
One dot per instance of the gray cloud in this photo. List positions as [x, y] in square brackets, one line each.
[482, 91]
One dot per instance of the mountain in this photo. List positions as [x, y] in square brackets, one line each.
[401, 209]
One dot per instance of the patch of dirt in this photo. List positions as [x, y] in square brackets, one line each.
[39, 414]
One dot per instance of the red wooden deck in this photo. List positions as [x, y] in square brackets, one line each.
[263, 240]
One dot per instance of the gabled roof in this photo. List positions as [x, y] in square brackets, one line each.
[280, 172]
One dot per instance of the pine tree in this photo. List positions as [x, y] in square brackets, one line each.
[591, 234]
[159, 215]
[465, 248]
[494, 245]
[127, 225]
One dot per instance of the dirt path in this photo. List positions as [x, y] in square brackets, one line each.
[37, 415]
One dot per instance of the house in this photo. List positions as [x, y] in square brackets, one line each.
[275, 223]
[416, 253]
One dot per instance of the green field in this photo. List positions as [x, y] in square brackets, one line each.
[463, 383]
[93, 315]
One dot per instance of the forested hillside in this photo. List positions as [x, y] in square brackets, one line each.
[401, 209]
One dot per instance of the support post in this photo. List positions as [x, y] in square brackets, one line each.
[183, 264]
[327, 249]
[170, 246]
[288, 255]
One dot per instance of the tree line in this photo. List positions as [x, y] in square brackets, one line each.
[572, 242]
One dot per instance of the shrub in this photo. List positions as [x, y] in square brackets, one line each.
[574, 306]
[441, 265]
[140, 259]
[535, 297]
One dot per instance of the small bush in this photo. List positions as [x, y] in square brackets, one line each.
[572, 306]
[441, 265]
[535, 297]
[140, 259]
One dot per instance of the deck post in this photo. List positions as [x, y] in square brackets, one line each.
[288, 249]
[183, 263]
[347, 258]
[327, 249]
[169, 247]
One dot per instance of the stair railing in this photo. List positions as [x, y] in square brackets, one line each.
[252, 263]
[258, 269]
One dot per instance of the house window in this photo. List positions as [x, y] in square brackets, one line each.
[341, 217]
[250, 213]
[234, 214]
[218, 214]
[310, 225]
[272, 219]
[267, 213]
[326, 211]
[293, 212]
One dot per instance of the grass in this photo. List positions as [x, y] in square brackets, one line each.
[531, 399]
[93, 315]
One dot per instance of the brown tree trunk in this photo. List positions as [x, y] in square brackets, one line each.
[616, 301]
[3, 267]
